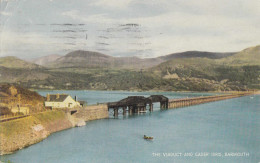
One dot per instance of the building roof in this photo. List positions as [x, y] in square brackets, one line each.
[135, 100]
[131, 100]
[57, 97]
[158, 98]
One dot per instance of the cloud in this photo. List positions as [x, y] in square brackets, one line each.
[94, 18]
[5, 13]
[74, 14]
[28, 44]
[113, 4]
[167, 25]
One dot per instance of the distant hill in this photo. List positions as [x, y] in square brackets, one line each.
[81, 58]
[45, 60]
[13, 69]
[186, 68]
[14, 62]
[195, 54]
[89, 59]
[208, 60]
[248, 56]
[242, 69]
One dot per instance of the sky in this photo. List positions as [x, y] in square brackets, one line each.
[142, 28]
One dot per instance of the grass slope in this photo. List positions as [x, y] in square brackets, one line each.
[249, 56]
[14, 62]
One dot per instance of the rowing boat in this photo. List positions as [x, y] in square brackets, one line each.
[148, 137]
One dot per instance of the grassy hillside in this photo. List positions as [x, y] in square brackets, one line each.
[249, 56]
[19, 133]
[20, 125]
[187, 67]
[14, 62]
[239, 71]
[26, 95]
[13, 95]
[195, 54]
[16, 75]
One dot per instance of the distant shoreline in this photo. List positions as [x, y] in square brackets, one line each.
[141, 91]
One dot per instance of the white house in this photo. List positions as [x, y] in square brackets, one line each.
[60, 101]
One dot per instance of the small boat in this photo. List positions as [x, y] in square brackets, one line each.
[148, 137]
[142, 111]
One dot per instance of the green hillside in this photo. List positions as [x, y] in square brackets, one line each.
[239, 71]
[16, 75]
[195, 54]
[186, 67]
[249, 56]
[14, 62]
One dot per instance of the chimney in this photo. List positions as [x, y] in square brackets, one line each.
[76, 98]
[57, 96]
[48, 97]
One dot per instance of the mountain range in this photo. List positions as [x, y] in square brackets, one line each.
[91, 59]
[189, 71]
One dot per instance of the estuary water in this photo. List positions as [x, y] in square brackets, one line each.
[222, 131]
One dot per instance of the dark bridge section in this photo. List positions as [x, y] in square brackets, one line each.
[137, 104]
[160, 98]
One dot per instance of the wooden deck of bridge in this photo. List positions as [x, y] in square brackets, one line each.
[176, 103]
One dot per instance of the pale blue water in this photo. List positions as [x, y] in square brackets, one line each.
[225, 126]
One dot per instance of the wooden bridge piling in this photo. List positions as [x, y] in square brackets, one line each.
[124, 111]
[115, 112]
[150, 107]
[130, 111]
